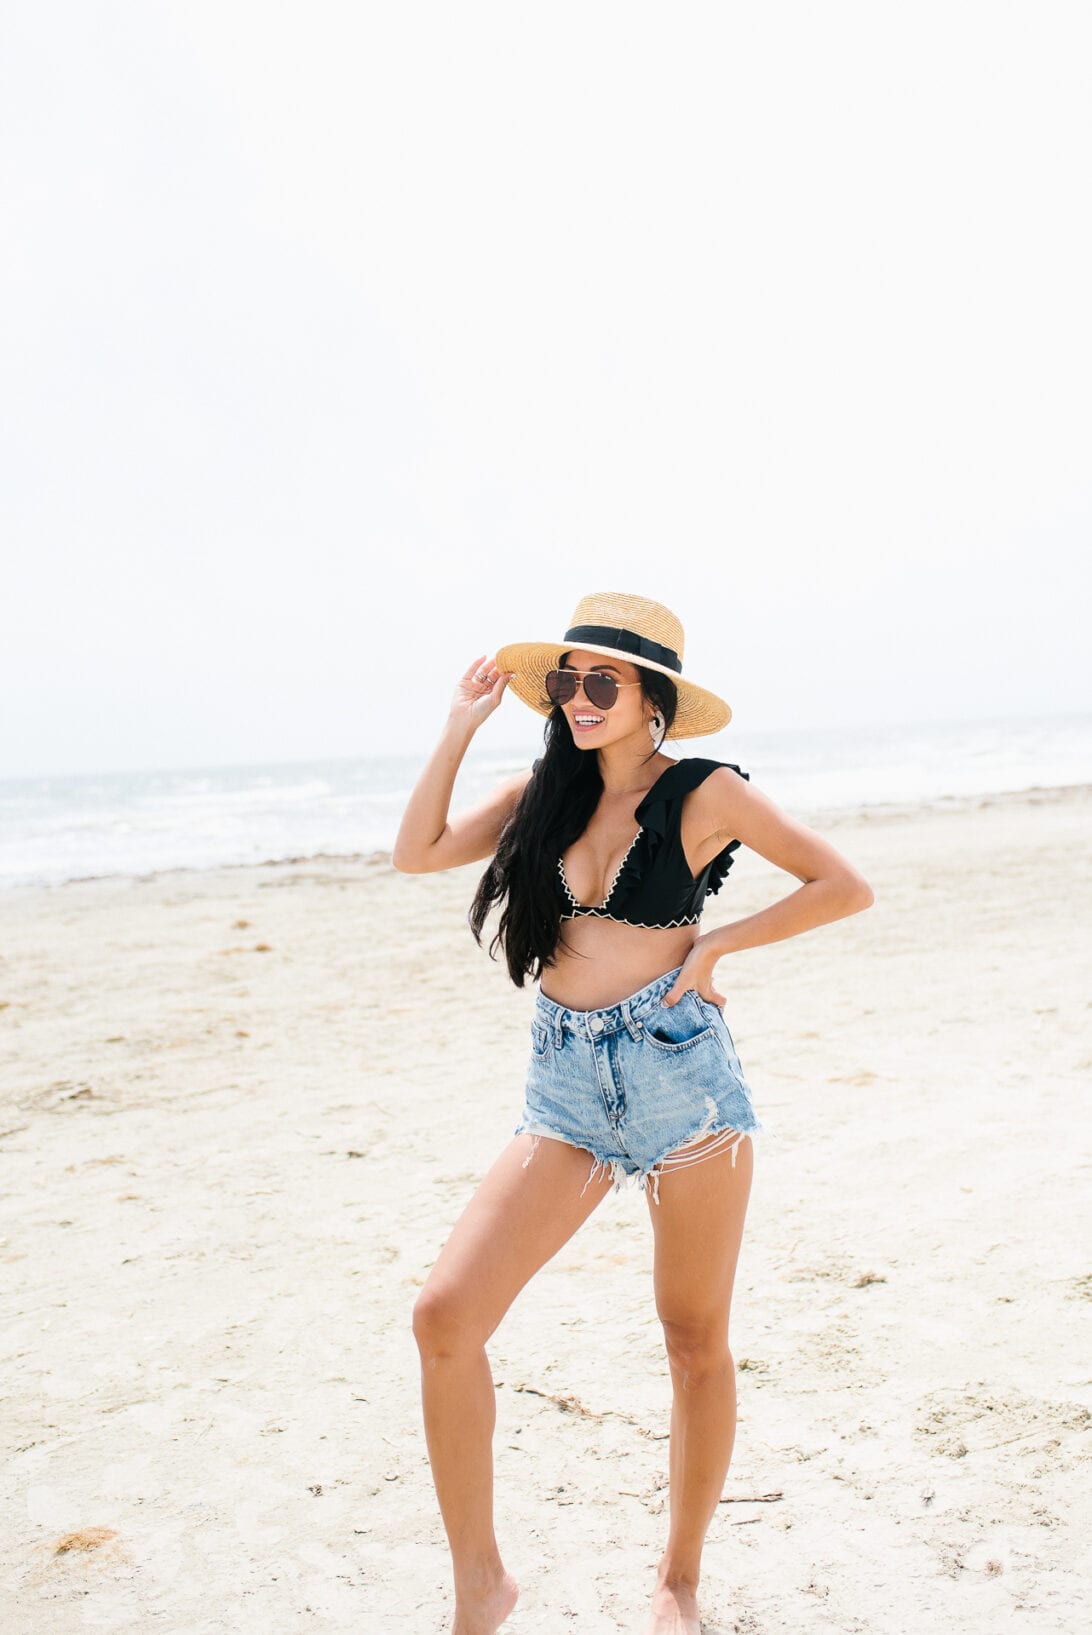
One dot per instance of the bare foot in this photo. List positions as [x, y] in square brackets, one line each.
[674, 1611]
[484, 1612]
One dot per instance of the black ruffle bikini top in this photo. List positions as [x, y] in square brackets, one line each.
[653, 886]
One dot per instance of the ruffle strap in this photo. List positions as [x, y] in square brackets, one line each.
[659, 813]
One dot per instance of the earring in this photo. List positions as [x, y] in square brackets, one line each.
[656, 725]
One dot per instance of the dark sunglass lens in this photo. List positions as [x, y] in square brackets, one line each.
[560, 685]
[601, 690]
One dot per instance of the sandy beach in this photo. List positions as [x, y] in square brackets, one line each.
[243, 1107]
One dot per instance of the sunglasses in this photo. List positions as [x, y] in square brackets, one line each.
[600, 689]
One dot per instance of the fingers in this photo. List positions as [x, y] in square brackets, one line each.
[484, 669]
[482, 673]
[482, 679]
[673, 995]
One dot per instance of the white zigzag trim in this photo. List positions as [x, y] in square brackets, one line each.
[610, 893]
[598, 914]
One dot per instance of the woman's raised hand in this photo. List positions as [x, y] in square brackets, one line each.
[480, 690]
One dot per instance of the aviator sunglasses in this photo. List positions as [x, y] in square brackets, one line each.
[600, 689]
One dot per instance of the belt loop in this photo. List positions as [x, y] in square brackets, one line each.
[559, 1028]
[634, 1028]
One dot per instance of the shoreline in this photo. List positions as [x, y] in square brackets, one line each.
[820, 818]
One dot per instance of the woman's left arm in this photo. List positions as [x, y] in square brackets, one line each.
[728, 807]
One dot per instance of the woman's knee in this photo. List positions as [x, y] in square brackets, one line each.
[696, 1347]
[445, 1322]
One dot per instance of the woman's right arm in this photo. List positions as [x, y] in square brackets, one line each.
[428, 840]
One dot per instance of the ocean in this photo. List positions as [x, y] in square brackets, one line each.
[57, 829]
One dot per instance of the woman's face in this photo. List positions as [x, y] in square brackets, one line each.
[628, 715]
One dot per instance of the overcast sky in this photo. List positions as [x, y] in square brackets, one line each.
[345, 342]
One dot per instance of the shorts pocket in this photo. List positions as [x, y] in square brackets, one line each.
[679, 1026]
[723, 1030]
[720, 1022]
[714, 1012]
[540, 1040]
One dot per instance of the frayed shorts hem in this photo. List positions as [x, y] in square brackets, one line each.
[626, 1173]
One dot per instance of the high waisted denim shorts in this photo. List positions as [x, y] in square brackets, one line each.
[635, 1081]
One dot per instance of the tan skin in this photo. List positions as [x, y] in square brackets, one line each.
[519, 1218]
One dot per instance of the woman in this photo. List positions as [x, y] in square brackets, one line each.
[631, 1063]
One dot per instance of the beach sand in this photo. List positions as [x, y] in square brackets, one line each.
[242, 1109]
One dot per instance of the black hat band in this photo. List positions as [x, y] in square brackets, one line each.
[626, 641]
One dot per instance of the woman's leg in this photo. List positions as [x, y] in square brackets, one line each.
[698, 1226]
[520, 1216]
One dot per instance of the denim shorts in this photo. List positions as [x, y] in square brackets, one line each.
[633, 1082]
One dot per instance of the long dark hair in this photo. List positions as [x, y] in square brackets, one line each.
[553, 811]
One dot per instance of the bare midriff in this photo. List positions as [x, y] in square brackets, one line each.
[599, 962]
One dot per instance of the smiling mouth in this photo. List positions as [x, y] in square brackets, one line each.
[587, 721]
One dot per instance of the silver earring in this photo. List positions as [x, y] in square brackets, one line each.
[655, 726]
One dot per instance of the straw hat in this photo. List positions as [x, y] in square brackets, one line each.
[620, 627]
